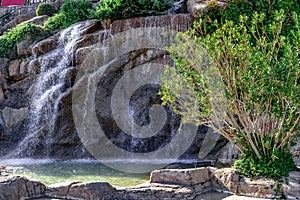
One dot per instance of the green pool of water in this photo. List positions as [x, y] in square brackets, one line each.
[53, 171]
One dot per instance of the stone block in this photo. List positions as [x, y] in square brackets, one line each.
[180, 176]
[93, 190]
[46, 45]
[14, 68]
[23, 48]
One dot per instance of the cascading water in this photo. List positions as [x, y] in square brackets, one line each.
[47, 92]
[142, 42]
[176, 7]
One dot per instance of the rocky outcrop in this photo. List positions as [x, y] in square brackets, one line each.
[14, 116]
[201, 180]
[18, 77]
[227, 155]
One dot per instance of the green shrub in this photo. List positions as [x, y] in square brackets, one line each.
[244, 74]
[22, 31]
[118, 9]
[75, 11]
[45, 9]
[236, 8]
[109, 9]
[55, 22]
[149, 7]
[252, 166]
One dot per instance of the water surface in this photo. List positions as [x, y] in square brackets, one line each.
[54, 171]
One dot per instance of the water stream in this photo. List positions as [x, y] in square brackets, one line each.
[47, 93]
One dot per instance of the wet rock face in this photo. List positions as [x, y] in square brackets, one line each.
[140, 103]
[17, 85]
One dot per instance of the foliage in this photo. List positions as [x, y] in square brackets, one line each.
[252, 166]
[75, 11]
[72, 11]
[109, 9]
[245, 79]
[9, 39]
[45, 9]
[149, 7]
[218, 15]
[56, 22]
[117, 9]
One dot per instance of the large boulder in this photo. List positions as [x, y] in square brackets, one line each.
[46, 45]
[20, 188]
[295, 150]
[75, 190]
[181, 176]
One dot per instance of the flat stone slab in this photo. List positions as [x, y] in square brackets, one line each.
[180, 176]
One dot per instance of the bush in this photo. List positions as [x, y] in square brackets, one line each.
[149, 7]
[72, 11]
[118, 9]
[236, 8]
[22, 31]
[55, 22]
[75, 11]
[244, 75]
[45, 9]
[109, 9]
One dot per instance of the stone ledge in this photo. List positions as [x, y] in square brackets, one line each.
[164, 184]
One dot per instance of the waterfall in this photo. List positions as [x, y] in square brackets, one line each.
[46, 93]
[176, 7]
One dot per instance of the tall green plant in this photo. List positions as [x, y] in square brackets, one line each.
[246, 79]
